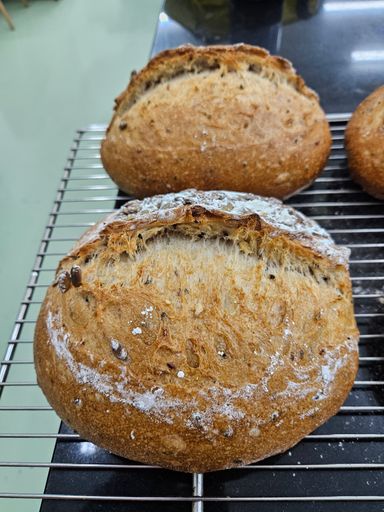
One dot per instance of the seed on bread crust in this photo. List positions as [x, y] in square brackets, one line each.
[76, 276]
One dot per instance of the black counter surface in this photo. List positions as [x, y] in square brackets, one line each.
[337, 46]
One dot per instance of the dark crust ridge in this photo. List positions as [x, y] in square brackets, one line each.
[172, 63]
[176, 208]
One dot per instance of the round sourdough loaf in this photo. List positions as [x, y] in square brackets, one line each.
[364, 141]
[199, 330]
[216, 117]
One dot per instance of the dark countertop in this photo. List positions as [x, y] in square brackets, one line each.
[337, 46]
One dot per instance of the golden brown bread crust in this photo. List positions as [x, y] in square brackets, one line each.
[199, 331]
[216, 117]
[364, 142]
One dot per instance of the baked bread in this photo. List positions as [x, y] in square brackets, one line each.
[199, 331]
[364, 142]
[216, 117]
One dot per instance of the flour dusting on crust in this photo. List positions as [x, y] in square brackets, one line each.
[272, 212]
[146, 401]
[207, 404]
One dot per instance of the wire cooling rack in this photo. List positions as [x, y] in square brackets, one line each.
[338, 467]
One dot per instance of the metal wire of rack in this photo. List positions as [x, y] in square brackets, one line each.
[339, 465]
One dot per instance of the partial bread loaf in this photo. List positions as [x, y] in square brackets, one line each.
[219, 117]
[364, 138]
[199, 331]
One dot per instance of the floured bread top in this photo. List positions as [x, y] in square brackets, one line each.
[175, 208]
[213, 314]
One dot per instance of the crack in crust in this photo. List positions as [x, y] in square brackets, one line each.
[170, 64]
[206, 206]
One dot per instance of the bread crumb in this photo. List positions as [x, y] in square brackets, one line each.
[115, 344]
[254, 432]
[228, 432]
[136, 330]
[147, 311]
[119, 351]
[133, 435]
[181, 374]
[198, 309]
